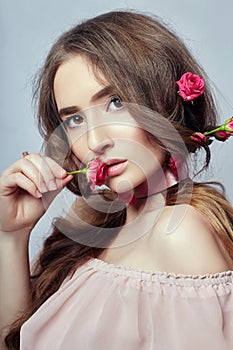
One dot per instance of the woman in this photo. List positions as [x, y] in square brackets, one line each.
[144, 263]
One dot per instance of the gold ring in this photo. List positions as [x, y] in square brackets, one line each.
[25, 154]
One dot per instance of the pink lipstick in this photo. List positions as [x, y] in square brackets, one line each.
[117, 168]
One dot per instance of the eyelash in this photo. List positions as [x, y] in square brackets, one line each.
[71, 119]
[112, 99]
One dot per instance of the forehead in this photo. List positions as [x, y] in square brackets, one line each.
[75, 83]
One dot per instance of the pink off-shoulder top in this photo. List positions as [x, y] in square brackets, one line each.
[108, 307]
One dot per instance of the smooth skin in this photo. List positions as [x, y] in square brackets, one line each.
[192, 247]
[101, 126]
[31, 183]
[25, 187]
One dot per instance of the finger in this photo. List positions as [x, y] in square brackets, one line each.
[37, 169]
[49, 169]
[47, 179]
[49, 196]
[26, 167]
[57, 170]
[61, 183]
[10, 183]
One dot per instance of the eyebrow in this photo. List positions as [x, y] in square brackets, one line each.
[107, 90]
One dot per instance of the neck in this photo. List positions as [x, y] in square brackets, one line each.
[154, 186]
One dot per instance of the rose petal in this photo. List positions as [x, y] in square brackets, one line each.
[230, 125]
[222, 135]
[198, 138]
[96, 173]
[191, 86]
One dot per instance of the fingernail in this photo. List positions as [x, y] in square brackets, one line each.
[38, 194]
[63, 172]
[52, 185]
[43, 187]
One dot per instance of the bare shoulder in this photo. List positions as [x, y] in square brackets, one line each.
[186, 243]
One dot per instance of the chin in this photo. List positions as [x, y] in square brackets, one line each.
[124, 183]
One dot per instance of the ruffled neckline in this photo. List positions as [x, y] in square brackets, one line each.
[225, 277]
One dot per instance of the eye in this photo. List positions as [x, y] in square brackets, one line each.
[74, 121]
[115, 104]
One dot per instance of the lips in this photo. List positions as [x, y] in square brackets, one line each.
[116, 166]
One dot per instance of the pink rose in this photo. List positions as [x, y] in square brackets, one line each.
[172, 165]
[175, 165]
[229, 126]
[198, 138]
[191, 86]
[222, 135]
[96, 173]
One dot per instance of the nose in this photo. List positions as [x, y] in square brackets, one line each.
[98, 141]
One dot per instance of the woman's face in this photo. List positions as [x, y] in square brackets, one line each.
[99, 124]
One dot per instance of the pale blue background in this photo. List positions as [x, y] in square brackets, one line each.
[28, 28]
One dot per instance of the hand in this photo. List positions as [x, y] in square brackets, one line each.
[27, 188]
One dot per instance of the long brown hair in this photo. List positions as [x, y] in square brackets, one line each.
[141, 58]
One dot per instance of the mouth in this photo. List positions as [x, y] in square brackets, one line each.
[116, 166]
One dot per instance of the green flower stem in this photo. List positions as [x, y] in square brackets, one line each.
[82, 171]
[228, 121]
[220, 128]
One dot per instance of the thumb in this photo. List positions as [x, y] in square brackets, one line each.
[49, 196]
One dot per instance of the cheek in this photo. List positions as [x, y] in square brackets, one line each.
[131, 178]
[148, 156]
[136, 175]
[78, 145]
[144, 161]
